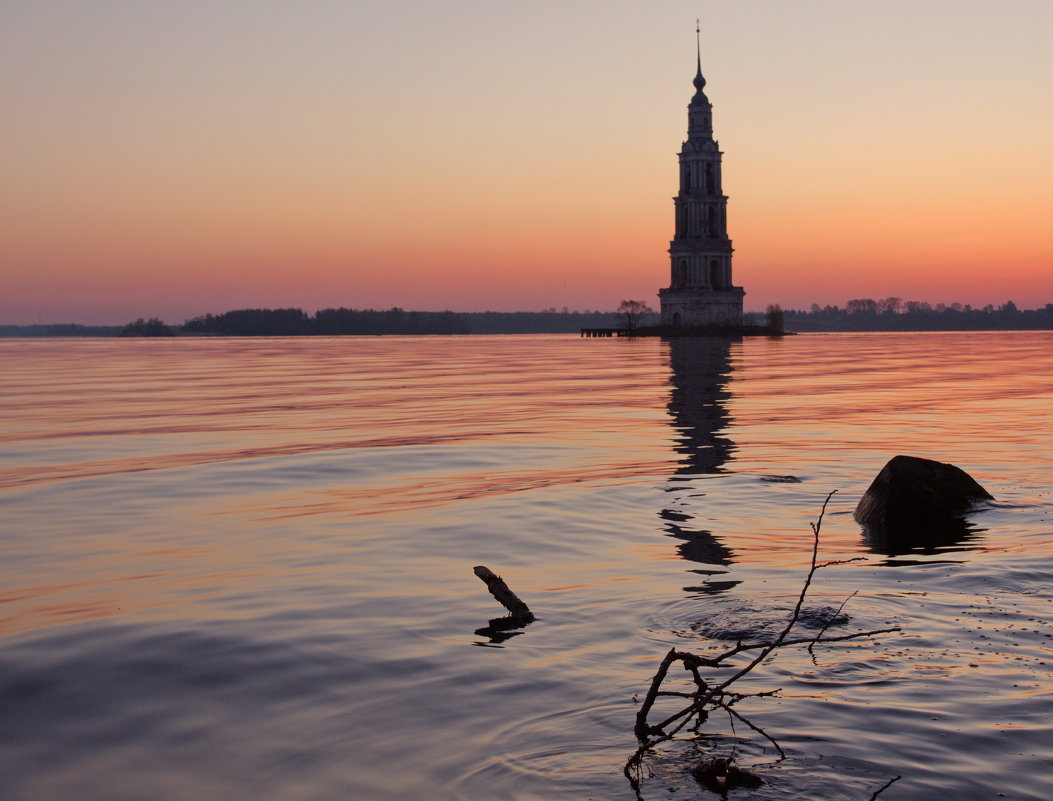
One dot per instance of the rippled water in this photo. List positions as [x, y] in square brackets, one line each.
[242, 569]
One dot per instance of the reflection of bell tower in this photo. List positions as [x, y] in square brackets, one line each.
[700, 291]
[699, 372]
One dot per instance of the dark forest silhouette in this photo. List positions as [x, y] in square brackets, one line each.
[888, 314]
[862, 314]
[336, 322]
[147, 328]
[894, 314]
[325, 322]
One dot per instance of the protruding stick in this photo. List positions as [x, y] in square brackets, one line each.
[508, 599]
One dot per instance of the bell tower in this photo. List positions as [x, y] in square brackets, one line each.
[701, 291]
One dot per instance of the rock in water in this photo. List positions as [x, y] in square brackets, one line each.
[722, 774]
[911, 492]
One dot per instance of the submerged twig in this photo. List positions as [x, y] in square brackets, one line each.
[884, 787]
[758, 729]
[830, 622]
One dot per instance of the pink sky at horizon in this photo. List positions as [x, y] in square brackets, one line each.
[171, 160]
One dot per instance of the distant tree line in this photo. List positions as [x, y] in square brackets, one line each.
[861, 314]
[549, 321]
[337, 322]
[327, 322]
[895, 314]
[147, 328]
[59, 330]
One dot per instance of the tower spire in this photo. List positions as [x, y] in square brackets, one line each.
[699, 81]
[698, 43]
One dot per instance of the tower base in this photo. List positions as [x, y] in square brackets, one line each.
[699, 307]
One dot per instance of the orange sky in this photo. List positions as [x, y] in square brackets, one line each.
[177, 159]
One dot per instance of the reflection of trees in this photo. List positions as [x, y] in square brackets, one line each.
[698, 375]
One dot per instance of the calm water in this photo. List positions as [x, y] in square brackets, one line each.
[242, 569]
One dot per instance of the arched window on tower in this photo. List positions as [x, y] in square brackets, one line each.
[709, 177]
[715, 279]
[711, 221]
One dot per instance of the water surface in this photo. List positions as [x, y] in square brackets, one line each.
[242, 568]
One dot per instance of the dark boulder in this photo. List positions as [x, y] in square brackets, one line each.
[911, 489]
[918, 503]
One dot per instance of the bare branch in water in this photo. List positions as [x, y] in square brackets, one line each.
[503, 595]
[709, 697]
[882, 789]
[758, 729]
[829, 622]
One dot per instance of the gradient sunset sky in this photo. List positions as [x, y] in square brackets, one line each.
[175, 158]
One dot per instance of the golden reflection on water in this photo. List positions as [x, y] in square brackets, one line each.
[349, 429]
